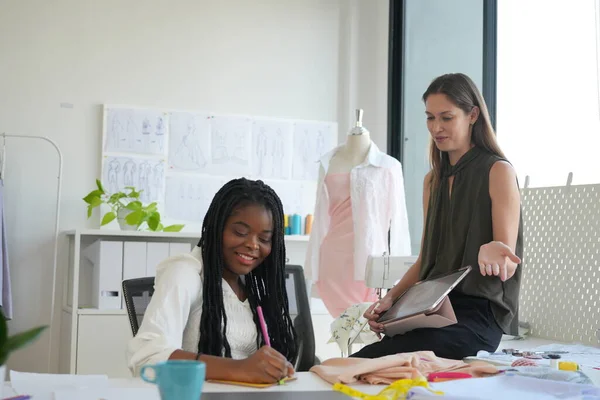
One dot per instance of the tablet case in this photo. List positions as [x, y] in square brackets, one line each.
[441, 316]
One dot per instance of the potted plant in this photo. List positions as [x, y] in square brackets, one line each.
[126, 207]
[8, 344]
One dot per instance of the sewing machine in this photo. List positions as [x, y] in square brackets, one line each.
[383, 271]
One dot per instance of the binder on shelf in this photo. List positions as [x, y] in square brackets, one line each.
[107, 260]
[134, 260]
[156, 252]
[134, 263]
[177, 248]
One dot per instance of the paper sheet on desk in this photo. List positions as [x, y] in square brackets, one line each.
[108, 394]
[42, 386]
[508, 387]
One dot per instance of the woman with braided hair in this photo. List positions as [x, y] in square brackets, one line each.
[204, 304]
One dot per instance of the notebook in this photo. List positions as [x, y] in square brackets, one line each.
[254, 385]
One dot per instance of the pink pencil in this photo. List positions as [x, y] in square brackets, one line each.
[263, 325]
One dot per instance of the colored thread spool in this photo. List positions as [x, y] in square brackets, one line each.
[308, 224]
[286, 224]
[296, 225]
[568, 366]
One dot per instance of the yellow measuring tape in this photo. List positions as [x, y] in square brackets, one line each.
[396, 391]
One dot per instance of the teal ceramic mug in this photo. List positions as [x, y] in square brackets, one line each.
[176, 379]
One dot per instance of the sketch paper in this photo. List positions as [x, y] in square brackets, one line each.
[231, 144]
[272, 149]
[146, 174]
[131, 130]
[189, 196]
[189, 141]
[297, 197]
[311, 141]
[41, 386]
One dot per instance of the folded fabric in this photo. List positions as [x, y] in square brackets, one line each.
[388, 369]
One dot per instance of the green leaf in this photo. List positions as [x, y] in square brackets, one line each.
[160, 227]
[154, 220]
[100, 187]
[173, 228]
[21, 339]
[90, 209]
[135, 218]
[3, 328]
[3, 357]
[151, 207]
[108, 217]
[134, 205]
[133, 193]
[114, 198]
[93, 196]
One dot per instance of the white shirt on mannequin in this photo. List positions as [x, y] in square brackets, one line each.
[378, 204]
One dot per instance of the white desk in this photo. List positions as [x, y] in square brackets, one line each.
[307, 384]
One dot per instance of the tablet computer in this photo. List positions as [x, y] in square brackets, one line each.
[424, 297]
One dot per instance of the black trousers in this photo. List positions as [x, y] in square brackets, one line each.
[476, 330]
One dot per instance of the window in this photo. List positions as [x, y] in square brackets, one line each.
[548, 103]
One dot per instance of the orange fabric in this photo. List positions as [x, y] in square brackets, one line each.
[388, 369]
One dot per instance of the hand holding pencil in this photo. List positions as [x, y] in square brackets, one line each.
[267, 365]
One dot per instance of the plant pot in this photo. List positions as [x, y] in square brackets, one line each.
[121, 215]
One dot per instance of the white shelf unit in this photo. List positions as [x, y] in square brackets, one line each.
[94, 341]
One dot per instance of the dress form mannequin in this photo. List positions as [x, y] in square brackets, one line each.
[337, 287]
[354, 151]
[360, 210]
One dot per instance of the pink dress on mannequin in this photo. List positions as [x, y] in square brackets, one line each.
[336, 285]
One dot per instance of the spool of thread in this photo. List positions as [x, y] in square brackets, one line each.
[296, 225]
[286, 224]
[568, 366]
[554, 360]
[308, 224]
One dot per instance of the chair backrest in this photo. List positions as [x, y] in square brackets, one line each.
[300, 313]
[137, 293]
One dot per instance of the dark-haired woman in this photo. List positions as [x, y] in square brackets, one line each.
[472, 214]
[204, 304]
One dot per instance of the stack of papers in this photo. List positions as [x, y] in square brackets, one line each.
[75, 387]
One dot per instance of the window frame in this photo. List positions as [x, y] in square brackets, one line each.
[395, 134]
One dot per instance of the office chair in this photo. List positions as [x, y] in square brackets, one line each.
[137, 293]
[301, 318]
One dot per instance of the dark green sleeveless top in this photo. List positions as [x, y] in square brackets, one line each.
[458, 224]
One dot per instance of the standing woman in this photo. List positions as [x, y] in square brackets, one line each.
[472, 213]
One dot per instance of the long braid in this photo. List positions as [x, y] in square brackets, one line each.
[265, 284]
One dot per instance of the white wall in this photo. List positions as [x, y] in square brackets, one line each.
[268, 57]
[440, 37]
[364, 67]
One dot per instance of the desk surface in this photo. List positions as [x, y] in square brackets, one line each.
[307, 384]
